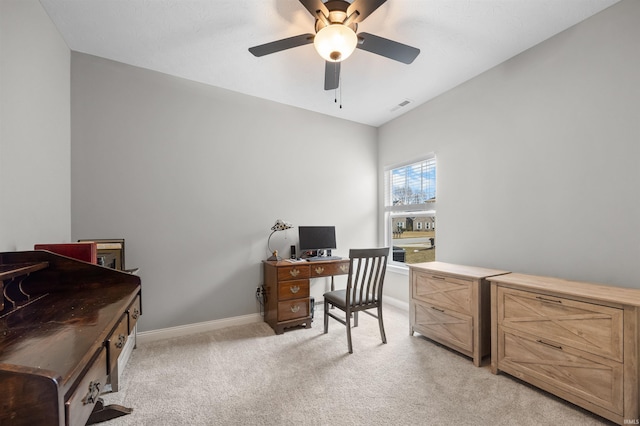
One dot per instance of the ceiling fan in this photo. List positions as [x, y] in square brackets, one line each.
[335, 38]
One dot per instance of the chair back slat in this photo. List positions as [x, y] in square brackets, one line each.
[367, 269]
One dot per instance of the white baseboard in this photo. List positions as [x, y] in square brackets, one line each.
[203, 327]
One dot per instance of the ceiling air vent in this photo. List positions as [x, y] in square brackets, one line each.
[401, 105]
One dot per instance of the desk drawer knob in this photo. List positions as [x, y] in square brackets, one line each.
[294, 272]
[344, 268]
[135, 314]
[319, 270]
[295, 308]
[294, 289]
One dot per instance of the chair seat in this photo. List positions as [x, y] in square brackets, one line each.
[338, 298]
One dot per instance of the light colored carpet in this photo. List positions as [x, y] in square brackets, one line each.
[247, 375]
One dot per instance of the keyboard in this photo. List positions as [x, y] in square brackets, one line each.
[321, 258]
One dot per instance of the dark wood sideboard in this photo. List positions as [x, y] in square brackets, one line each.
[63, 325]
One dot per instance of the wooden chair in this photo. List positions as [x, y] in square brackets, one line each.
[367, 268]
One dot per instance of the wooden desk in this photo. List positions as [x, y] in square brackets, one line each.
[286, 290]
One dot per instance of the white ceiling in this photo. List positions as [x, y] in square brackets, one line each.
[207, 41]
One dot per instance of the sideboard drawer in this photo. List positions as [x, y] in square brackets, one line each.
[81, 403]
[443, 290]
[293, 289]
[295, 272]
[589, 327]
[292, 309]
[116, 342]
[576, 373]
[445, 326]
[134, 312]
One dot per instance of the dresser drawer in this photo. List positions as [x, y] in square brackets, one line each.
[134, 312]
[574, 373]
[570, 323]
[81, 403]
[292, 309]
[443, 290]
[329, 269]
[116, 342]
[445, 326]
[293, 289]
[295, 272]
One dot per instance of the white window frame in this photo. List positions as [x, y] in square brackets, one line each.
[408, 210]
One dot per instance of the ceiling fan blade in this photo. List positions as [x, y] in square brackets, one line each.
[313, 5]
[284, 44]
[364, 8]
[387, 48]
[331, 75]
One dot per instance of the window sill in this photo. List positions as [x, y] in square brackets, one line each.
[398, 269]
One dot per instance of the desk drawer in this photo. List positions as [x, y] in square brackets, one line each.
[329, 269]
[293, 309]
[116, 342]
[134, 311]
[295, 272]
[293, 289]
[81, 403]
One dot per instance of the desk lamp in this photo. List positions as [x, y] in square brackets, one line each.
[280, 225]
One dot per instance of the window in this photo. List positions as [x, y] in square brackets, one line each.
[410, 211]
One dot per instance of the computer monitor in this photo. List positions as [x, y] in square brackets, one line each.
[313, 238]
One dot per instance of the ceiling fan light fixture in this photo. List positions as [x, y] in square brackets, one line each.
[335, 42]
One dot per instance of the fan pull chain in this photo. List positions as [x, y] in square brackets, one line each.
[339, 88]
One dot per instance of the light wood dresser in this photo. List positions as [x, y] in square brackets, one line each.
[450, 304]
[576, 340]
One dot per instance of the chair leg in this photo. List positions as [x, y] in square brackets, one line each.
[384, 336]
[348, 324]
[326, 316]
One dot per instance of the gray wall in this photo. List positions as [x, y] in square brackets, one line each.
[539, 158]
[193, 177]
[34, 128]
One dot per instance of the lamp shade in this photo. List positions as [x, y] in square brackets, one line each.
[335, 42]
[280, 225]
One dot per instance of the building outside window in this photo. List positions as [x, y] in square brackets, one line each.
[410, 211]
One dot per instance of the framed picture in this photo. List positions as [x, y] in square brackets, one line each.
[110, 252]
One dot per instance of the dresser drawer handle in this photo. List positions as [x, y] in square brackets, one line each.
[294, 289]
[435, 277]
[92, 395]
[319, 270]
[121, 339]
[437, 309]
[294, 272]
[544, 299]
[550, 345]
[135, 314]
[344, 268]
[295, 308]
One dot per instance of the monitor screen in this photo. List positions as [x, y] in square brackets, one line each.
[317, 237]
